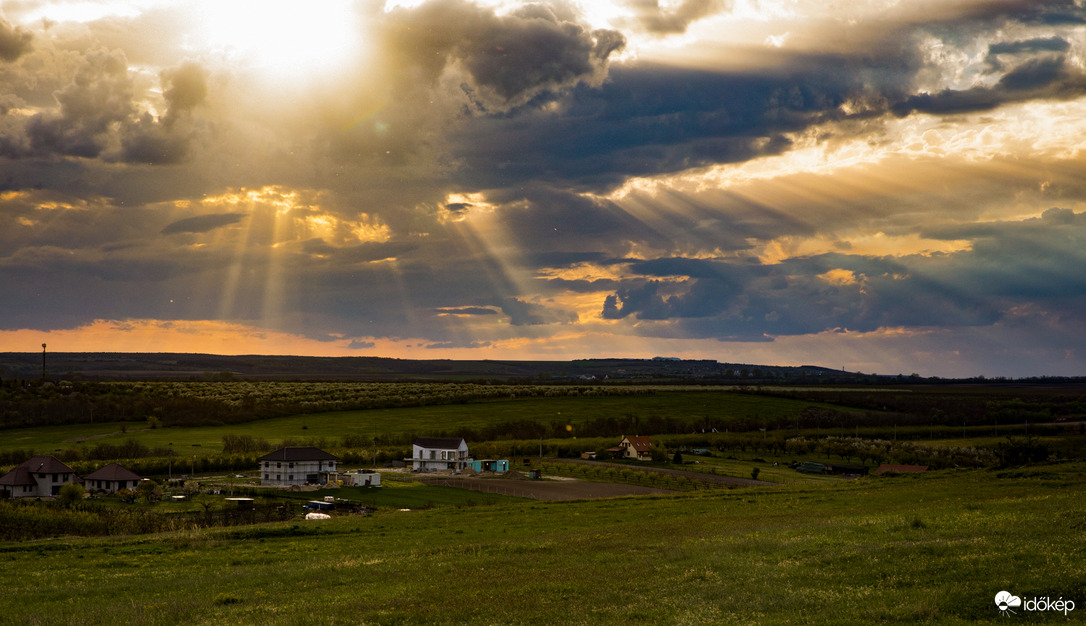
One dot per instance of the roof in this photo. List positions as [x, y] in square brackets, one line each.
[113, 471]
[638, 442]
[442, 443]
[810, 467]
[901, 469]
[46, 464]
[302, 453]
[18, 476]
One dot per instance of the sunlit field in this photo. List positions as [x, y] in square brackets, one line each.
[928, 549]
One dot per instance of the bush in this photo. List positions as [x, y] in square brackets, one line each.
[70, 493]
[1022, 451]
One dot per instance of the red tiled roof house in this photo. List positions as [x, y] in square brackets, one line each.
[633, 447]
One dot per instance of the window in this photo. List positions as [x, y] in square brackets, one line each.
[290, 476]
[278, 465]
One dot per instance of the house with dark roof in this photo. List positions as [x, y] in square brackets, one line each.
[633, 447]
[111, 478]
[439, 453]
[303, 465]
[39, 476]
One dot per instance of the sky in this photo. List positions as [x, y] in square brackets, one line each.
[882, 186]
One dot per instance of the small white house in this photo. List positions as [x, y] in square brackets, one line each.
[439, 453]
[296, 466]
[38, 477]
[111, 478]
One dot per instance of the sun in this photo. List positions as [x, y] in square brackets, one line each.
[280, 39]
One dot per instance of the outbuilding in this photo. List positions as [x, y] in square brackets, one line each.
[491, 465]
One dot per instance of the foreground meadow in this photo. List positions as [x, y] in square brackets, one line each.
[926, 548]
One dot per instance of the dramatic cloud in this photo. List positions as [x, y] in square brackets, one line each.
[655, 19]
[14, 42]
[203, 223]
[885, 186]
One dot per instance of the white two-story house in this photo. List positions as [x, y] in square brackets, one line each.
[296, 466]
[38, 477]
[439, 453]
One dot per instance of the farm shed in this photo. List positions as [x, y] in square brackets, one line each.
[439, 453]
[848, 470]
[361, 478]
[810, 467]
[38, 477]
[111, 478]
[304, 465]
[490, 465]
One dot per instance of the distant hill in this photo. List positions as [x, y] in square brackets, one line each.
[151, 366]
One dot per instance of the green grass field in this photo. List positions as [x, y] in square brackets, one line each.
[916, 549]
[690, 406]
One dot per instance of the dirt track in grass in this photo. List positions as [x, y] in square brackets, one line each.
[553, 488]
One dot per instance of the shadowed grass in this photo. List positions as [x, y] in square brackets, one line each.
[927, 549]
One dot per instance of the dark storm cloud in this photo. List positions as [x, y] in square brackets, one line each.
[1029, 46]
[99, 98]
[652, 119]
[1034, 264]
[646, 120]
[1034, 258]
[168, 140]
[185, 88]
[508, 59]
[203, 223]
[1049, 78]
[651, 17]
[96, 117]
[546, 220]
[14, 41]
[523, 313]
[468, 310]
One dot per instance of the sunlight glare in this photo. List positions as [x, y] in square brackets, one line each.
[281, 38]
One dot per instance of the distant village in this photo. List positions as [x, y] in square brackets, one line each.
[43, 476]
